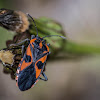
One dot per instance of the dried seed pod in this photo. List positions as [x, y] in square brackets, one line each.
[10, 60]
[6, 57]
[14, 20]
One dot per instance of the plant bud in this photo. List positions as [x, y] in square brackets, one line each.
[14, 20]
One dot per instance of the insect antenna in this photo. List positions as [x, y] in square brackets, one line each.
[34, 23]
[54, 35]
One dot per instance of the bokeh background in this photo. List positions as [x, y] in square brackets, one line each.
[69, 79]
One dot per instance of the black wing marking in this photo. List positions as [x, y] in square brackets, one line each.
[40, 65]
[27, 78]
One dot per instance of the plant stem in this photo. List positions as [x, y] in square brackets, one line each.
[74, 48]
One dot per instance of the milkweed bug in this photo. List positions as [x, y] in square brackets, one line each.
[33, 60]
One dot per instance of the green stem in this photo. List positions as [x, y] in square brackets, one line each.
[74, 48]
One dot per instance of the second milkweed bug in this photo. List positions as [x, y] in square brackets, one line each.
[33, 61]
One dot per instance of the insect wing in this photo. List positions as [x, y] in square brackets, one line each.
[31, 66]
[27, 77]
[40, 63]
[26, 74]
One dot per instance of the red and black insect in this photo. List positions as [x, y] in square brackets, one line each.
[33, 61]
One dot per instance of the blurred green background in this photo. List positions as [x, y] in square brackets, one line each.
[69, 79]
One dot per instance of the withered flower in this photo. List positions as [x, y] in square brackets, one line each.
[14, 20]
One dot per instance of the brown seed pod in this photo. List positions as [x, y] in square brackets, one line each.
[14, 20]
[6, 57]
[10, 60]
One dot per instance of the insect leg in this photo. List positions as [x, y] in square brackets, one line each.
[45, 77]
[23, 50]
[28, 40]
